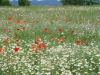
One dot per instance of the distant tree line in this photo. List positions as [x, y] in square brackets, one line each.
[78, 2]
[64, 2]
[20, 3]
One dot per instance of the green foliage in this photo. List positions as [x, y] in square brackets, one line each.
[0, 2]
[78, 2]
[4, 3]
[65, 2]
[72, 2]
[90, 2]
[23, 2]
[1, 73]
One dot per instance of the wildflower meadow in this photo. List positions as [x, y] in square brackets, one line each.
[50, 40]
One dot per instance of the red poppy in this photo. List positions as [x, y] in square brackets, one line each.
[53, 38]
[39, 38]
[36, 48]
[6, 40]
[0, 49]
[49, 33]
[42, 45]
[32, 47]
[78, 41]
[23, 28]
[18, 21]
[17, 40]
[61, 39]
[82, 41]
[4, 28]
[59, 29]
[16, 49]
[24, 21]
[45, 29]
[9, 18]
[67, 18]
[36, 42]
[72, 31]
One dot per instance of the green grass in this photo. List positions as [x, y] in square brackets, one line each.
[57, 58]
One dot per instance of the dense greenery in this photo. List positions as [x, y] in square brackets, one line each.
[78, 2]
[23, 2]
[4, 3]
[0, 2]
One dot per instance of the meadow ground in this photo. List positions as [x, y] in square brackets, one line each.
[50, 40]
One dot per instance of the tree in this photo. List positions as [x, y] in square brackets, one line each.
[78, 2]
[0, 2]
[72, 2]
[23, 2]
[4, 3]
[65, 2]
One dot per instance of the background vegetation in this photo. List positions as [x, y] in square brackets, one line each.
[79, 2]
[23, 2]
[64, 2]
[20, 3]
[4, 3]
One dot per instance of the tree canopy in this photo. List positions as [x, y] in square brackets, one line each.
[23, 2]
[78, 2]
[4, 3]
